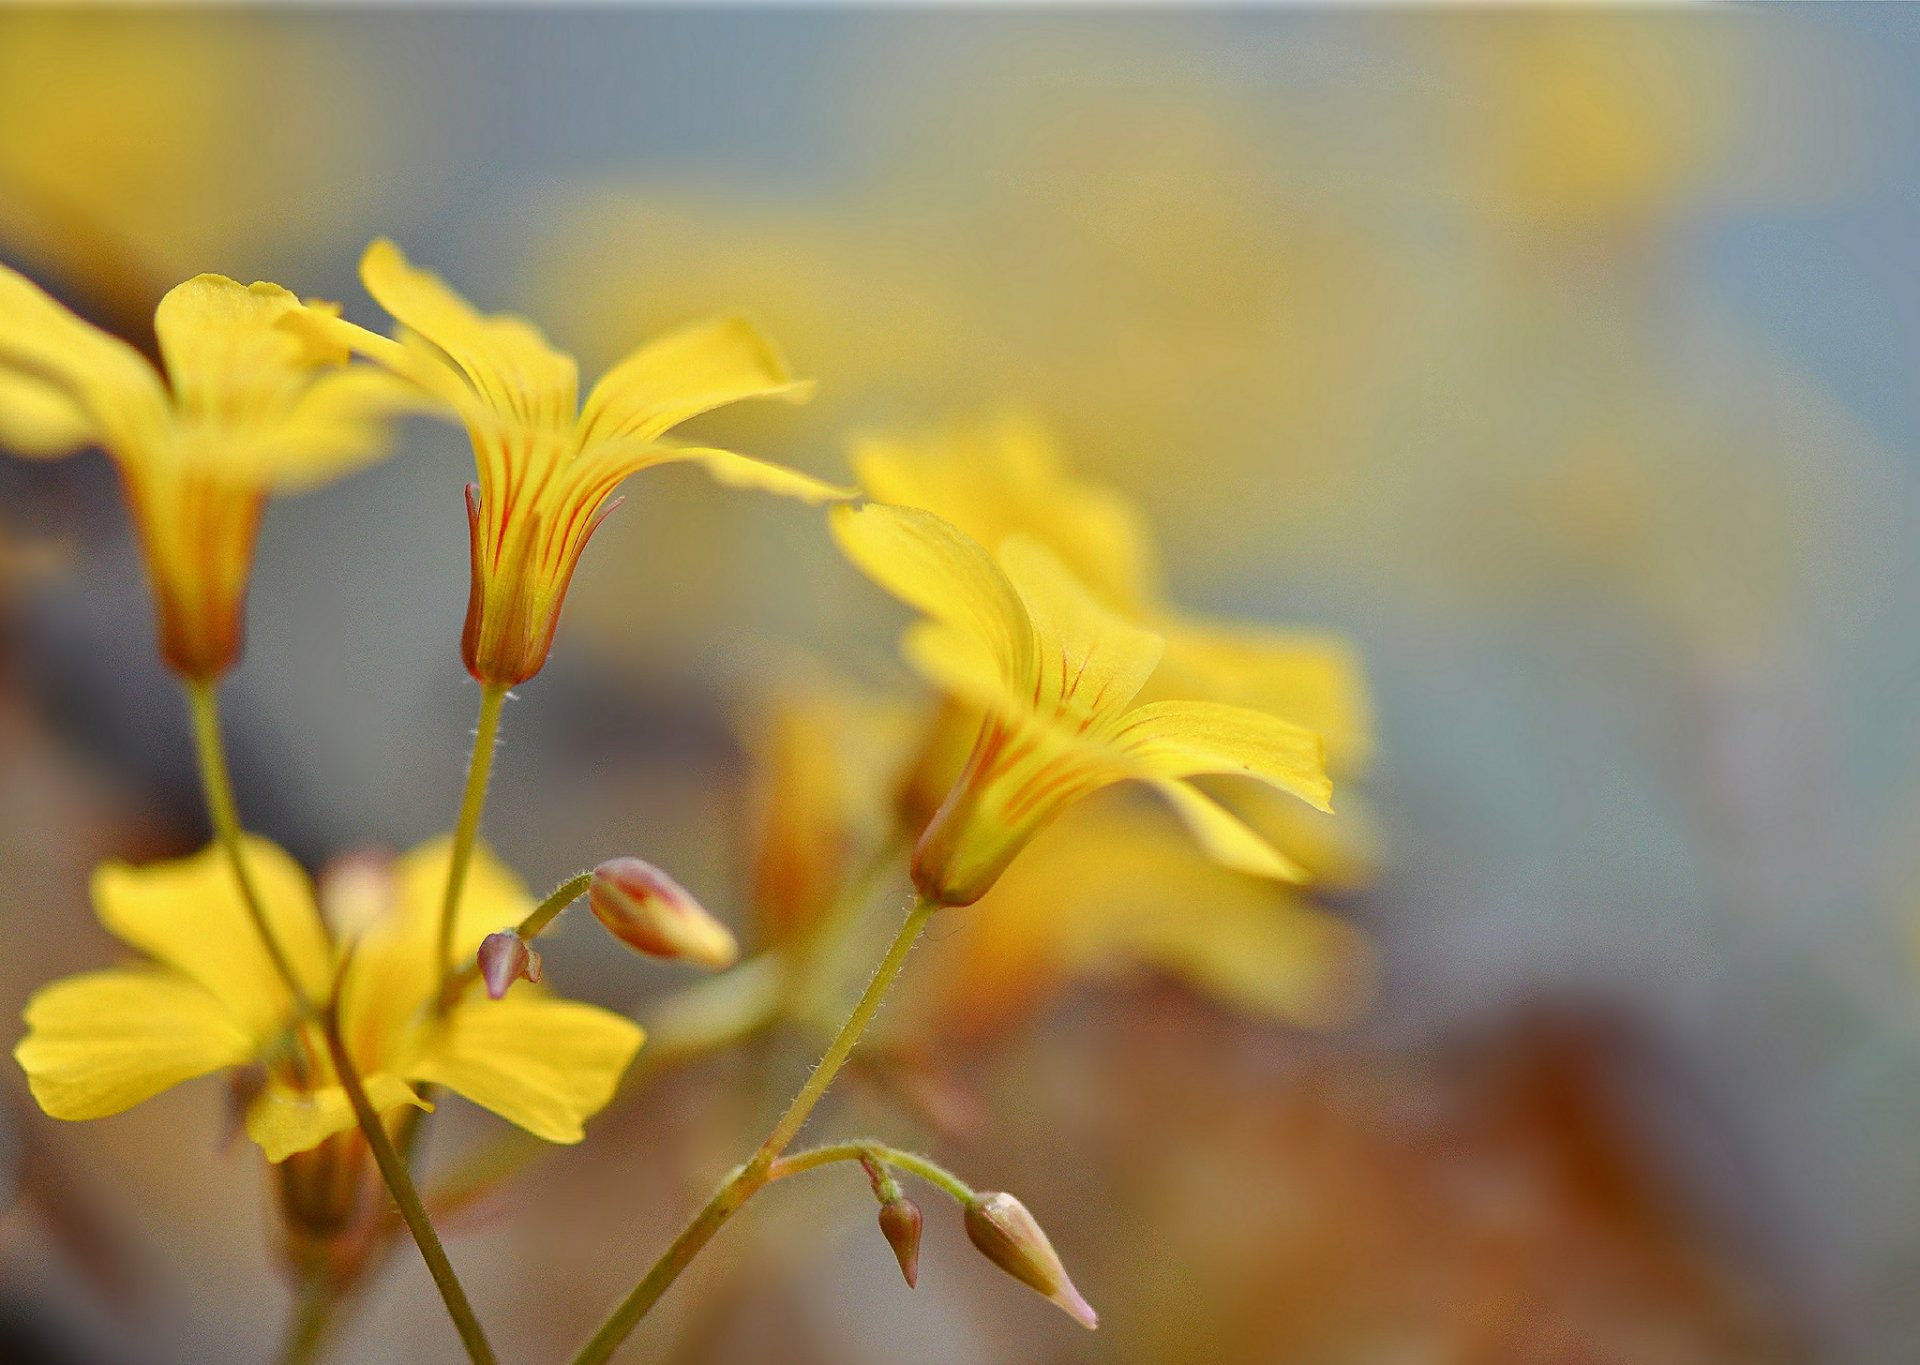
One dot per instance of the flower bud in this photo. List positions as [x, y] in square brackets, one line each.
[504, 958]
[1006, 1234]
[900, 1223]
[653, 914]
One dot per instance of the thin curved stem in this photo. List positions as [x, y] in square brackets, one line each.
[863, 1150]
[394, 1171]
[224, 814]
[741, 1185]
[466, 830]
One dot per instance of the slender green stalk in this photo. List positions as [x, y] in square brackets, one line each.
[741, 1185]
[394, 1171]
[865, 1149]
[307, 1328]
[466, 831]
[224, 815]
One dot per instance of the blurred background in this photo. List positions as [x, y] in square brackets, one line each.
[1563, 362]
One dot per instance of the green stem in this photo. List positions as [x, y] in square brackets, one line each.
[466, 830]
[224, 814]
[740, 1186]
[394, 1171]
[307, 1328]
[867, 1150]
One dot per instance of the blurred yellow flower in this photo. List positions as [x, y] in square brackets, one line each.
[1111, 890]
[1003, 475]
[548, 463]
[209, 999]
[827, 759]
[1055, 674]
[249, 405]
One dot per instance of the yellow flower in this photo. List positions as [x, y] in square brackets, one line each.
[1055, 674]
[548, 463]
[249, 405]
[209, 999]
[1005, 474]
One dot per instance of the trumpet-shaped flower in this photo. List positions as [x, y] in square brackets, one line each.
[1055, 674]
[251, 403]
[547, 462]
[208, 998]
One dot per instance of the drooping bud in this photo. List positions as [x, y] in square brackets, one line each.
[1008, 1236]
[900, 1223]
[505, 958]
[653, 914]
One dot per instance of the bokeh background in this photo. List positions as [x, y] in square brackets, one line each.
[1564, 361]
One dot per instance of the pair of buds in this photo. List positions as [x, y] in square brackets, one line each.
[638, 904]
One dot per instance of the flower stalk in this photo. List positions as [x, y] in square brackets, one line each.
[747, 1180]
[466, 830]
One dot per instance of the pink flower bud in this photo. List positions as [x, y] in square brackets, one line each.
[653, 914]
[1008, 1236]
[504, 959]
[900, 1223]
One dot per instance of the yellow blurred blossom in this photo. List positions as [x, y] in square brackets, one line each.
[208, 998]
[999, 476]
[248, 405]
[1055, 674]
[1110, 890]
[548, 463]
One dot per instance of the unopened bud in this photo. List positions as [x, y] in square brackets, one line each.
[505, 958]
[1007, 1235]
[653, 914]
[900, 1222]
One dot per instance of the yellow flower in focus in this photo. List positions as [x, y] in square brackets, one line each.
[1055, 674]
[250, 404]
[548, 463]
[209, 999]
[1005, 474]
[1111, 890]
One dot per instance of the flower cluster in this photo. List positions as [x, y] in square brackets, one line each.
[342, 1009]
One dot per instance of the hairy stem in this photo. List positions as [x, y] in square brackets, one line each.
[741, 1185]
[865, 1150]
[466, 830]
[224, 815]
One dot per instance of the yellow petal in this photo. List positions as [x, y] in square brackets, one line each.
[189, 914]
[506, 359]
[394, 973]
[39, 420]
[684, 374]
[1226, 839]
[223, 345]
[285, 1120]
[102, 1042]
[744, 471]
[104, 377]
[340, 423]
[546, 1065]
[1313, 680]
[930, 566]
[1005, 474]
[1091, 662]
[1192, 738]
